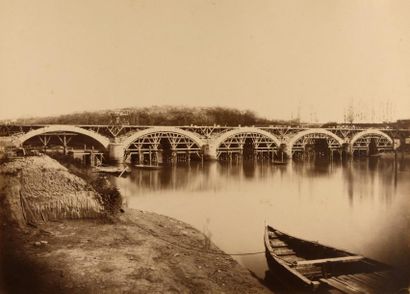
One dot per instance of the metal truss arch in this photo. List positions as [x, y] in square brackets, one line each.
[300, 139]
[104, 141]
[233, 141]
[149, 146]
[361, 140]
[168, 132]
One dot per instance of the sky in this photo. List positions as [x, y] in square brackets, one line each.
[281, 59]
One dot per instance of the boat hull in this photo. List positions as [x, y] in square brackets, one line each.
[282, 273]
[311, 266]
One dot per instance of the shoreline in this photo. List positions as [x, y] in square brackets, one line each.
[129, 252]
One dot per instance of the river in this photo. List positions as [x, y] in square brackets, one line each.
[361, 206]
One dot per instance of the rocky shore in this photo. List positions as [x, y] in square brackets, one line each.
[56, 237]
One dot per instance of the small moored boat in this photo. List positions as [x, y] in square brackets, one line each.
[113, 170]
[310, 266]
[150, 167]
[277, 162]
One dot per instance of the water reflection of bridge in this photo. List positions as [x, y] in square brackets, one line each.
[160, 144]
[360, 176]
[198, 177]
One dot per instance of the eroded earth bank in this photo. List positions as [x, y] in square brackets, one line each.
[59, 235]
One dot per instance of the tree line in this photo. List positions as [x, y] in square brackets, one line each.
[161, 115]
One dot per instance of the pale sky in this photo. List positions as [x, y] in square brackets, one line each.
[272, 57]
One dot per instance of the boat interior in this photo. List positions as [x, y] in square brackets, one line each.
[316, 261]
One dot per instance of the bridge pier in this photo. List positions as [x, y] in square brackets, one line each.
[209, 152]
[158, 157]
[116, 152]
[174, 158]
[288, 151]
[349, 150]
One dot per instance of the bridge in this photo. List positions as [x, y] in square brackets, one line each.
[158, 144]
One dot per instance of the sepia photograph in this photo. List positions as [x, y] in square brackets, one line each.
[204, 146]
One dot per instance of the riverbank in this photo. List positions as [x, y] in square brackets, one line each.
[71, 245]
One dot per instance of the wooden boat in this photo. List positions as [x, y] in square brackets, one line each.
[113, 170]
[311, 266]
[150, 167]
[277, 162]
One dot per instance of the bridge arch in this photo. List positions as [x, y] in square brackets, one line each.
[129, 140]
[336, 141]
[104, 141]
[171, 140]
[361, 140]
[233, 141]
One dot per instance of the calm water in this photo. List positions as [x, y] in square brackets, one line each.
[361, 206]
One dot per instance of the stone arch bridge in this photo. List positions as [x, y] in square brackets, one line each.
[182, 143]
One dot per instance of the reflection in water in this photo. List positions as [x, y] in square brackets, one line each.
[360, 206]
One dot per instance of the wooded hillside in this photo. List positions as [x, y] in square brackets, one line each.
[163, 115]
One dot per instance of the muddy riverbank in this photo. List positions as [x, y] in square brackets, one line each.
[56, 237]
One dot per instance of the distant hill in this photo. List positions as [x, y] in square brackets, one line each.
[160, 115]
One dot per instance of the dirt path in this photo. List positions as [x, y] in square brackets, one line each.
[138, 253]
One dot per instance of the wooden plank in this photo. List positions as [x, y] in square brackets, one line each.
[352, 258]
[349, 285]
[292, 258]
[357, 283]
[339, 286]
[364, 279]
[310, 271]
[372, 284]
[385, 274]
[391, 283]
[283, 251]
[371, 280]
[272, 235]
[374, 276]
[277, 243]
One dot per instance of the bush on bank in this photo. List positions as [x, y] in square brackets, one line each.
[110, 196]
